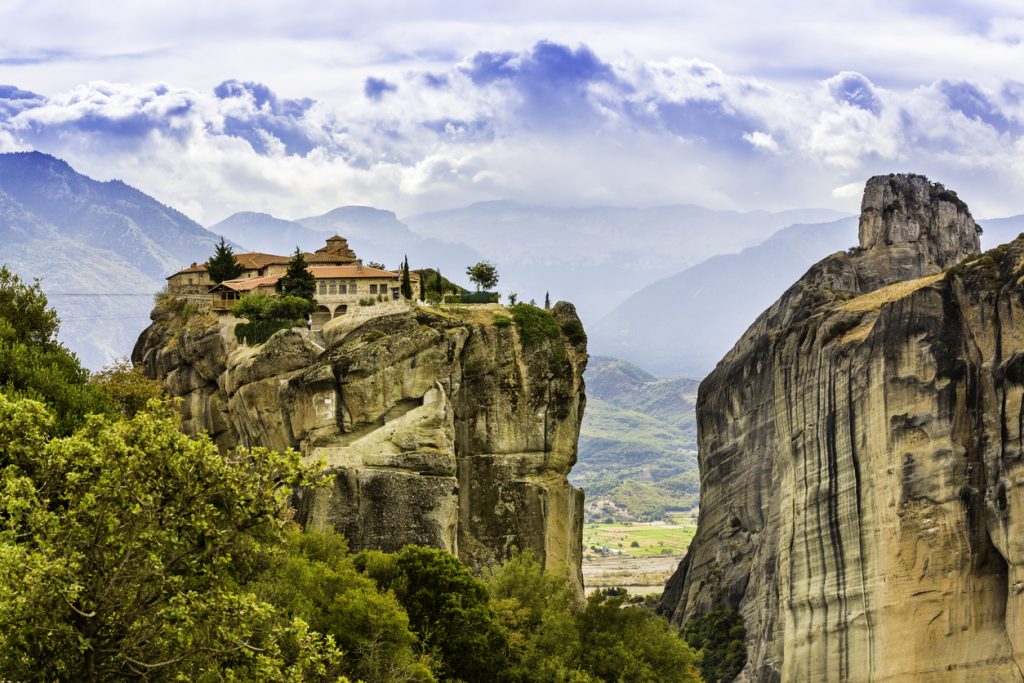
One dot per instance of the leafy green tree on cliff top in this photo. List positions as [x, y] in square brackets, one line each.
[298, 281]
[483, 274]
[223, 265]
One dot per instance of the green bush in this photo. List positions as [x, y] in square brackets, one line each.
[535, 324]
[33, 364]
[448, 608]
[267, 315]
[261, 308]
[502, 322]
[720, 636]
[574, 332]
[367, 301]
[259, 332]
[480, 297]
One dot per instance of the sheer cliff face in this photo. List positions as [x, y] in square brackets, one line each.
[439, 430]
[860, 452]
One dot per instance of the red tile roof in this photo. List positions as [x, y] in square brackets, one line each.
[248, 284]
[350, 272]
[254, 260]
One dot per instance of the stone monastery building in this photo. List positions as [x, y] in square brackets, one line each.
[342, 281]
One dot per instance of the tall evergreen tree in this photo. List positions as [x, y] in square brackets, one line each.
[406, 280]
[422, 278]
[547, 300]
[223, 265]
[298, 281]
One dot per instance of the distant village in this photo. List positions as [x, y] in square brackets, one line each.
[342, 281]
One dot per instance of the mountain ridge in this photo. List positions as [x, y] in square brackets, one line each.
[99, 248]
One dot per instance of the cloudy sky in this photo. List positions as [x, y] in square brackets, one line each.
[295, 108]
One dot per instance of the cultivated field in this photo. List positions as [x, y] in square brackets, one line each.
[641, 568]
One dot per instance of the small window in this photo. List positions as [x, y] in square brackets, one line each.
[333, 288]
[323, 287]
[190, 280]
[342, 289]
[352, 289]
[373, 289]
[383, 289]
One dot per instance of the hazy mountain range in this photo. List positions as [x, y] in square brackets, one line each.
[596, 257]
[100, 249]
[683, 324]
[374, 235]
[656, 286]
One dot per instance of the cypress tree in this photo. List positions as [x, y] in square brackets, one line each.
[406, 280]
[547, 300]
[298, 281]
[422, 278]
[223, 265]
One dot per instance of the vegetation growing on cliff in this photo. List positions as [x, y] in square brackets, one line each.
[223, 265]
[719, 636]
[130, 550]
[266, 315]
[33, 364]
[535, 324]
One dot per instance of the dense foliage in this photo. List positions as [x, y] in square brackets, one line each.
[483, 274]
[552, 638]
[223, 265]
[720, 637]
[447, 607]
[297, 280]
[127, 390]
[269, 314]
[119, 551]
[33, 364]
[536, 325]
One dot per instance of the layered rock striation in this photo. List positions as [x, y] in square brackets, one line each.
[452, 430]
[862, 453]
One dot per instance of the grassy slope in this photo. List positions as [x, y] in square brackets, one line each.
[638, 443]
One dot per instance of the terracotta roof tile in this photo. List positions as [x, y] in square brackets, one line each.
[250, 283]
[350, 272]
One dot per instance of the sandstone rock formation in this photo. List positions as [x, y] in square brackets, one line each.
[862, 453]
[440, 429]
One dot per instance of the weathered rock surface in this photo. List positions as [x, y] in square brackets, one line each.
[439, 430]
[862, 460]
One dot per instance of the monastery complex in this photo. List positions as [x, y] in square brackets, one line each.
[341, 278]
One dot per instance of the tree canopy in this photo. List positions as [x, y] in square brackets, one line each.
[33, 363]
[483, 274]
[223, 265]
[406, 280]
[120, 549]
[297, 280]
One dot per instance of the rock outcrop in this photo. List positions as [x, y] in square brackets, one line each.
[452, 430]
[862, 460]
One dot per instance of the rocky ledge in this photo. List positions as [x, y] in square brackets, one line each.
[862, 459]
[450, 429]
